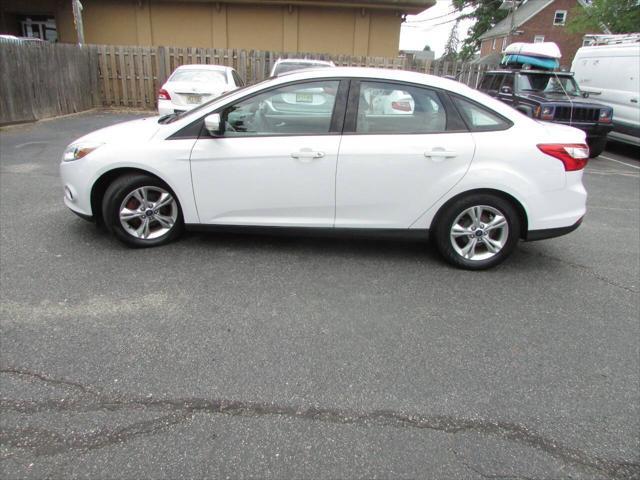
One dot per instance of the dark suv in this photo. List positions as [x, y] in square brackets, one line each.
[553, 97]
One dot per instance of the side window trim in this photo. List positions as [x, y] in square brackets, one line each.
[352, 107]
[340, 107]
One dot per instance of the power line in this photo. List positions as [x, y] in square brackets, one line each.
[461, 17]
[456, 19]
[409, 22]
[422, 20]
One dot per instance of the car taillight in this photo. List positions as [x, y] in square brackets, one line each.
[163, 95]
[402, 106]
[605, 115]
[574, 156]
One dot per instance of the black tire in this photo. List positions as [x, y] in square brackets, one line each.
[596, 146]
[451, 212]
[121, 189]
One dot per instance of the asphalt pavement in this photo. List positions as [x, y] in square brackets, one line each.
[254, 356]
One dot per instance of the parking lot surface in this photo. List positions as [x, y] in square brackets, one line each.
[277, 357]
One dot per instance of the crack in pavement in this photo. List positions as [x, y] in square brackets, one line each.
[587, 269]
[45, 442]
[178, 410]
[497, 476]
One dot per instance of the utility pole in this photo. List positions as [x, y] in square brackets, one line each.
[513, 20]
[77, 20]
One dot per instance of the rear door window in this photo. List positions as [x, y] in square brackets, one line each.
[396, 108]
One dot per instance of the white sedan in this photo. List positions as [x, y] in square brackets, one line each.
[286, 65]
[307, 150]
[191, 85]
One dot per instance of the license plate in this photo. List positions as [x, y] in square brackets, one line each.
[193, 98]
[304, 98]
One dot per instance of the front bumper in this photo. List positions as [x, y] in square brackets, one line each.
[84, 216]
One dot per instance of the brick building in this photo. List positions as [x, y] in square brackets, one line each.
[537, 21]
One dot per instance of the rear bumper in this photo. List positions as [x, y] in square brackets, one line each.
[166, 107]
[594, 131]
[533, 235]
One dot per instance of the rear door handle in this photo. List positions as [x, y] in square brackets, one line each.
[634, 100]
[440, 152]
[306, 154]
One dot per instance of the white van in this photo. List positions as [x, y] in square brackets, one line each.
[612, 74]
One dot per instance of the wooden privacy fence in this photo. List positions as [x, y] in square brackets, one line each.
[131, 76]
[45, 80]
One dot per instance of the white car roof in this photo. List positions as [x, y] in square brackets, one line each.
[377, 73]
[199, 66]
[304, 60]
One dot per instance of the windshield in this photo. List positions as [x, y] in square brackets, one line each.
[292, 66]
[547, 83]
[199, 76]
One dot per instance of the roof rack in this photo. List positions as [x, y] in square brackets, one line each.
[593, 40]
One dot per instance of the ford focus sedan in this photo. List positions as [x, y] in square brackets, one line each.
[313, 150]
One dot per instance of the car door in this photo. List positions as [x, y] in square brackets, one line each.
[395, 163]
[274, 161]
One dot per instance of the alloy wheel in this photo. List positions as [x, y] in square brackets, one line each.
[479, 233]
[148, 212]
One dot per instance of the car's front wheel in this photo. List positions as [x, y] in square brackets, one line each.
[477, 231]
[142, 211]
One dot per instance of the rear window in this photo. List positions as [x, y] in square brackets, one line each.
[199, 76]
[291, 66]
[479, 118]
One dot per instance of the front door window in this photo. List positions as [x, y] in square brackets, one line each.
[299, 109]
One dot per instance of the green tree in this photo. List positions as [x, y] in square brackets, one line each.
[451, 47]
[486, 15]
[426, 48]
[619, 16]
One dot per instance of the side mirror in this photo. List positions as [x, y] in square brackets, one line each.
[212, 124]
[585, 94]
[506, 90]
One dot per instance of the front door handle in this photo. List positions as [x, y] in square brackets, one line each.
[306, 154]
[440, 152]
[634, 100]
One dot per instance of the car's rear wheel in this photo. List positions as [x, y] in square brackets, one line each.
[477, 231]
[142, 211]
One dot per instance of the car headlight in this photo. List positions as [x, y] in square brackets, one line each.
[76, 151]
[605, 115]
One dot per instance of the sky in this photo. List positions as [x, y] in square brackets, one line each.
[426, 29]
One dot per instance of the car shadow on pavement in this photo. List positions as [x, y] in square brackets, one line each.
[343, 247]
